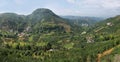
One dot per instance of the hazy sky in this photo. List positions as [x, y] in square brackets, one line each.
[99, 8]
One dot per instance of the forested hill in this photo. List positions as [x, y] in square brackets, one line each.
[40, 18]
[108, 31]
[110, 25]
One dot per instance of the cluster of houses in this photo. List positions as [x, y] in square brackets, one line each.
[23, 34]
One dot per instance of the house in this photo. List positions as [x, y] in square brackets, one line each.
[21, 34]
[84, 32]
[109, 24]
[89, 39]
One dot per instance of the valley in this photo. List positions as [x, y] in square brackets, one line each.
[43, 36]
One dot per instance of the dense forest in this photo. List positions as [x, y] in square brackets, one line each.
[43, 36]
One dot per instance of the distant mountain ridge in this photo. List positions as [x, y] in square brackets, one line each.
[83, 19]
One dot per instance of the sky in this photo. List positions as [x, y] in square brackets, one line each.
[96, 8]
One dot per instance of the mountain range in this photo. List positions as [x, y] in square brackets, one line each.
[43, 19]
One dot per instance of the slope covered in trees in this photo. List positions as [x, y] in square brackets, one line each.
[45, 37]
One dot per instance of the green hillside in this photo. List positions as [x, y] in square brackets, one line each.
[109, 30]
[43, 36]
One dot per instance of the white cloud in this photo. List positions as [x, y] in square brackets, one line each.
[108, 4]
[111, 4]
[103, 7]
[71, 1]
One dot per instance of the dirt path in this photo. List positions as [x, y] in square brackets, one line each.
[107, 52]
